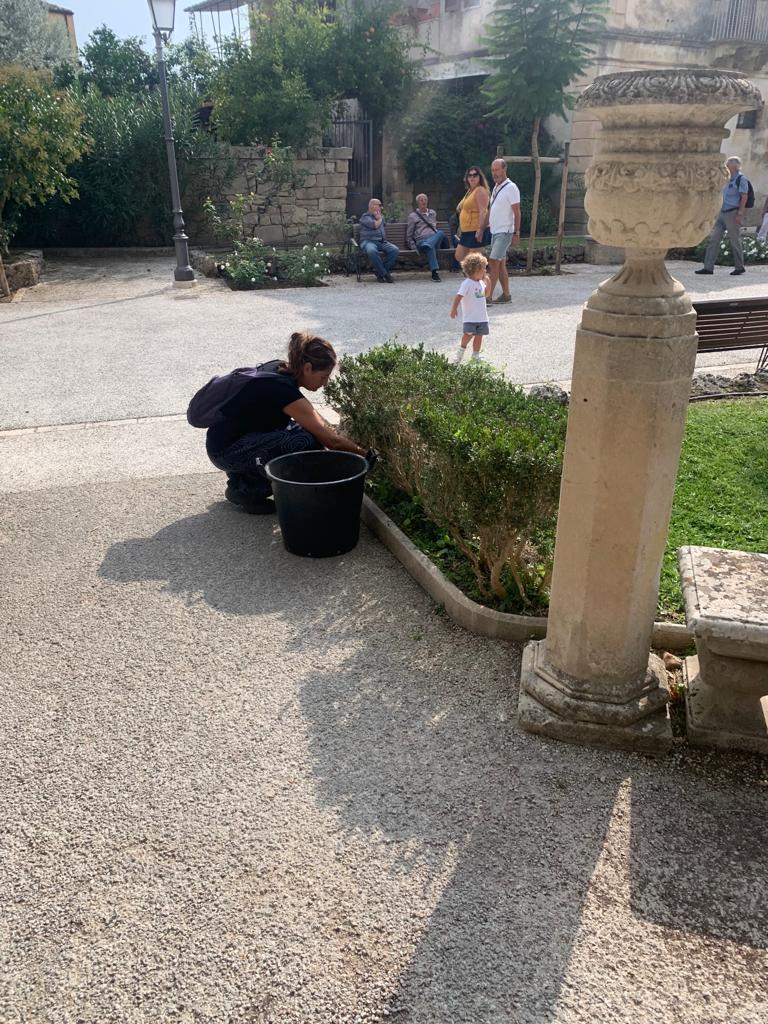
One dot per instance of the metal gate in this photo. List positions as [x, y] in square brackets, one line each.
[356, 134]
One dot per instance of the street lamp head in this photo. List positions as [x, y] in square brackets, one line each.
[163, 15]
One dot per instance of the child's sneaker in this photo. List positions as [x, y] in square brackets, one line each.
[459, 355]
[476, 358]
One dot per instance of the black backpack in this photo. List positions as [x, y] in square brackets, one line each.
[205, 408]
[750, 192]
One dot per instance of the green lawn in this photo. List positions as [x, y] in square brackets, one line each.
[721, 500]
[544, 242]
[721, 497]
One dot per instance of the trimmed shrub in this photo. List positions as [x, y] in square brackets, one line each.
[481, 457]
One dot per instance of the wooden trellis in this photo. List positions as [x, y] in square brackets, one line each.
[563, 189]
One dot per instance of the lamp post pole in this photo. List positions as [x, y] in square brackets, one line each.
[183, 275]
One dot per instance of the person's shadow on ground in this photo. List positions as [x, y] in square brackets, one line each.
[416, 745]
[523, 822]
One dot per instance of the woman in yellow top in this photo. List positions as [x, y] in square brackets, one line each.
[471, 211]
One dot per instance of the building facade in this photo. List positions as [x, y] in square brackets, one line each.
[723, 34]
[65, 18]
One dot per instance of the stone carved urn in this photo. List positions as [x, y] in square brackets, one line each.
[655, 182]
[657, 173]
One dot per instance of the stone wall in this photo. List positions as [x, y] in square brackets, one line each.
[322, 195]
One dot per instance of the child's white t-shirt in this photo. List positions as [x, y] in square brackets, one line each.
[473, 307]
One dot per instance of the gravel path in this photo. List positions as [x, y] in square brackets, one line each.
[238, 786]
[104, 339]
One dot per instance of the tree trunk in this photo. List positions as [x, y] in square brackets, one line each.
[5, 291]
[536, 190]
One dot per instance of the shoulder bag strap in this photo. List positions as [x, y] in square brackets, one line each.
[496, 194]
[424, 219]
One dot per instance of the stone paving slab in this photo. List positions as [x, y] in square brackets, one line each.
[105, 339]
[241, 786]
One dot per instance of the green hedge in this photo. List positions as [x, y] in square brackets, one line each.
[482, 457]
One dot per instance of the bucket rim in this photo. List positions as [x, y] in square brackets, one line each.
[319, 483]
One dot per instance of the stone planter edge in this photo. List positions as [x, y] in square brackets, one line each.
[23, 268]
[469, 614]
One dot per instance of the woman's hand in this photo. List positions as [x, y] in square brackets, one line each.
[304, 413]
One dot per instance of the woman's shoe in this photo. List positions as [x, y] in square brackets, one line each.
[249, 503]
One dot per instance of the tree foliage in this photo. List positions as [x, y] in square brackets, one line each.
[374, 59]
[191, 63]
[441, 112]
[28, 36]
[303, 58]
[122, 181]
[40, 136]
[116, 67]
[537, 48]
[281, 84]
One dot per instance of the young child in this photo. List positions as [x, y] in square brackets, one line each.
[471, 295]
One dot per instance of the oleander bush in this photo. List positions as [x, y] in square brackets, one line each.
[481, 457]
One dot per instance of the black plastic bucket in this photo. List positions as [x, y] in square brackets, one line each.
[318, 497]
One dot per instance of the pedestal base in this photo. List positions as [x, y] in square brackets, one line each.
[724, 718]
[184, 284]
[650, 734]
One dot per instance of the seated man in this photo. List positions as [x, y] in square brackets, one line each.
[373, 242]
[423, 234]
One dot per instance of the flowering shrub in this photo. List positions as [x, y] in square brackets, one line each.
[249, 265]
[305, 265]
[755, 251]
[252, 264]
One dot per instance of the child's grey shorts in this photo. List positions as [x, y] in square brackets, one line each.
[475, 328]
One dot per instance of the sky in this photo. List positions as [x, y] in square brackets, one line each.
[124, 17]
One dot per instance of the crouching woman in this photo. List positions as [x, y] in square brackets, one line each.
[268, 417]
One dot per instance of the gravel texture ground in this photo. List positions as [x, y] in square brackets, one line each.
[238, 786]
[102, 339]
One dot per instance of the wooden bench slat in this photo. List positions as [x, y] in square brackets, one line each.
[733, 325]
[395, 233]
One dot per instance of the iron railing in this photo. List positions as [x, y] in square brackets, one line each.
[744, 21]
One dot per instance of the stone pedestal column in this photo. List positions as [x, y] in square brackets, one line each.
[655, 182]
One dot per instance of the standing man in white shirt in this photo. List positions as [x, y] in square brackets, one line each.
[503, 218]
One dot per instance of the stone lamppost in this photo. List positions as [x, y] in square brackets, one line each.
[655, 182]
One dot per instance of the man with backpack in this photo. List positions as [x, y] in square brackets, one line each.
[738, 195]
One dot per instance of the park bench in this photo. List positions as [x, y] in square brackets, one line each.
[396, 235]
[724, 325]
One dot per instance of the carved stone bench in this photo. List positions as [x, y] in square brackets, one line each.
[726, 607]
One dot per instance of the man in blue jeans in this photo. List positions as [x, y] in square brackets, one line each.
[373, 241]
[423, 234]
